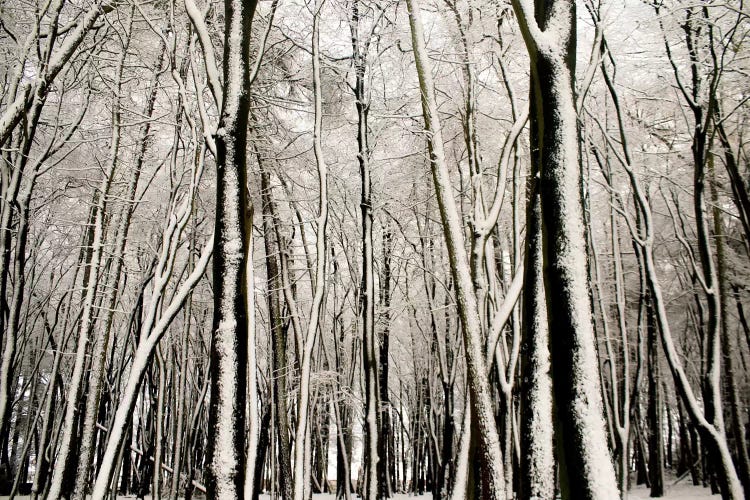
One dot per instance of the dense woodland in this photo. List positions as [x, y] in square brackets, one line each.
[480, 249]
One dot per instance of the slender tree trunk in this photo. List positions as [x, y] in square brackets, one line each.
[373, 459]
[489, 454]
[181, 391]
[161, 375]
[278, 339]
[655, 404]
[537, 479]
[301, 442]
[385, 441]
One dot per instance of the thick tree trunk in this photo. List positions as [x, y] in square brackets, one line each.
[586, 470]
[225, 454]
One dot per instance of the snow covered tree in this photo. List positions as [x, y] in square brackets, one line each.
[489, 333]
[225, 454]
[585, 464]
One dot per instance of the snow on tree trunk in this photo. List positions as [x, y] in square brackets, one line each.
[225, 453]
[302, 442]
[537, 437]
[489, 454]
[586, 467]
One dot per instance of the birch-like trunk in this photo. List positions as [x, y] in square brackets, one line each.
[301, 441]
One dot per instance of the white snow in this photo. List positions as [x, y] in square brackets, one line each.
[682, 491]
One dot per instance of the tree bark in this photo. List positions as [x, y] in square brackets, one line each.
[489, 454]
[225, 453]
[655, 404]
[372, 456]
[586, 470]
[279, 360]
[537, 479]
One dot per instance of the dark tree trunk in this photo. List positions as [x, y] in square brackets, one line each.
[655, 405]
[279, 360]
[225, 453]
[385, 441]
[263, 444]
[537, 448]
[580, 425]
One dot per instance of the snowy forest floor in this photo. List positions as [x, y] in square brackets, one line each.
[684, 490]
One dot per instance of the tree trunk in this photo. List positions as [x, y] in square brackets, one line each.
[278, 339]
[385, 441]
[375, 487]
[302, 443]
[586, 470]
[489, 454]
[655, 405]
[537, 449]
[225, 453]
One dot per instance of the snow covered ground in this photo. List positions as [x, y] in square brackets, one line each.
[682, 491]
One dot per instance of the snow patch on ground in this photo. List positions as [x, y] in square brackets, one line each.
[682, 491]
